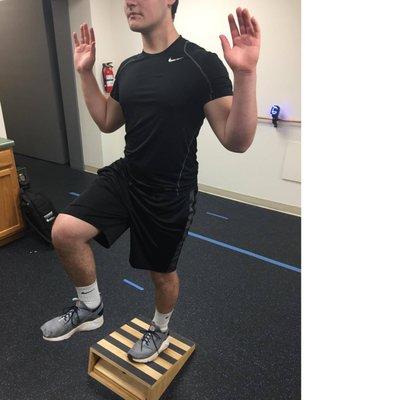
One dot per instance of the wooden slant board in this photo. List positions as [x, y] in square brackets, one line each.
[109, 364]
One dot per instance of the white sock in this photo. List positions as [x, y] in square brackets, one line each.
[90, 295]
[161, 320]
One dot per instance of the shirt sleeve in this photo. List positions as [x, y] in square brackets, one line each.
[217, 76]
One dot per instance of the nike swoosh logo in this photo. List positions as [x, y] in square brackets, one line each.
[87, 292]
[174, 59]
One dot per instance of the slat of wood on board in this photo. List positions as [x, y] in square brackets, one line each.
[129, 343]
[164, 356]
[172, 354]
[122, 355]
[128, 367]
[125, 349]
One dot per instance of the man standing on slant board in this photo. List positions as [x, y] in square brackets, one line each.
[162, 95]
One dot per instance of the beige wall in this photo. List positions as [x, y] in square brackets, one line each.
[258, 172]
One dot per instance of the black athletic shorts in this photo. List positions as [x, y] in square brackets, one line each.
[159, 220]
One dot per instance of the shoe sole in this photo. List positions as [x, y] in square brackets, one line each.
[153, 357]
[85, 326]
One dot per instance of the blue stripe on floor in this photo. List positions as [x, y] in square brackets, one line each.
[216, 215]
[227, 246]
[249, 253]
[136, 286]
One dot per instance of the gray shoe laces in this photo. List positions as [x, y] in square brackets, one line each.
[69, 312]
[149, 335]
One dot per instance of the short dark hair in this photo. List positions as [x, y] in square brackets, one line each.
[174, 8]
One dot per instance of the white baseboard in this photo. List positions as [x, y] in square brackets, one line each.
[254, 201]
[92, 170]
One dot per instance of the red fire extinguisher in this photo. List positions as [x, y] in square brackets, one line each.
[108, 77]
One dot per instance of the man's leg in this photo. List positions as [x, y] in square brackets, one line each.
[70, 237]
[167, 290]
[156, 339]
[166, 296]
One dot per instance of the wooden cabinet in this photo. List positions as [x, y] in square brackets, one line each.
[12, 224]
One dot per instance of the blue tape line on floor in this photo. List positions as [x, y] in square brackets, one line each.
[249, 253]
[228, 246]
[216, 215]
[74, 194]
[128, 282]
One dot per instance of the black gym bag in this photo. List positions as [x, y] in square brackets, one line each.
[38, 212]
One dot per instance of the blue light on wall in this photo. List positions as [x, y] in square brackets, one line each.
[275, 110]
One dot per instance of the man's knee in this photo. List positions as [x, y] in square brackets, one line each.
[68, 230]
[164, 279]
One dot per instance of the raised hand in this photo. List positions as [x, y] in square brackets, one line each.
[85, 50]
[243, 55]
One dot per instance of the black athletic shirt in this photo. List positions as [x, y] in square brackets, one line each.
[162, 97]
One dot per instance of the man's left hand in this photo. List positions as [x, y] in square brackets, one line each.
[243, 56]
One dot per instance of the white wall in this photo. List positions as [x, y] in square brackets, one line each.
[80, 11]
[3, 133]
[258, 172]
[108, 46]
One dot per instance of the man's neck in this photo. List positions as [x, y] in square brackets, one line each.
[159, 39]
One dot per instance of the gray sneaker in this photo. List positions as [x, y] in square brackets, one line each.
[74, 319]
[150, 345]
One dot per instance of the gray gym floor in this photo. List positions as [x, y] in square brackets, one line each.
[239, 302]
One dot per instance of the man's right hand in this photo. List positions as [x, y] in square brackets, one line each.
[85, 50]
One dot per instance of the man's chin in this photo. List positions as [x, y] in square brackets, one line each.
[139, 29]
[136, 28]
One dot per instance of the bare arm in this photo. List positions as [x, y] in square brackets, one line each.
[105, 111]
[234, 119]
[217, 114]
[242, 121]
